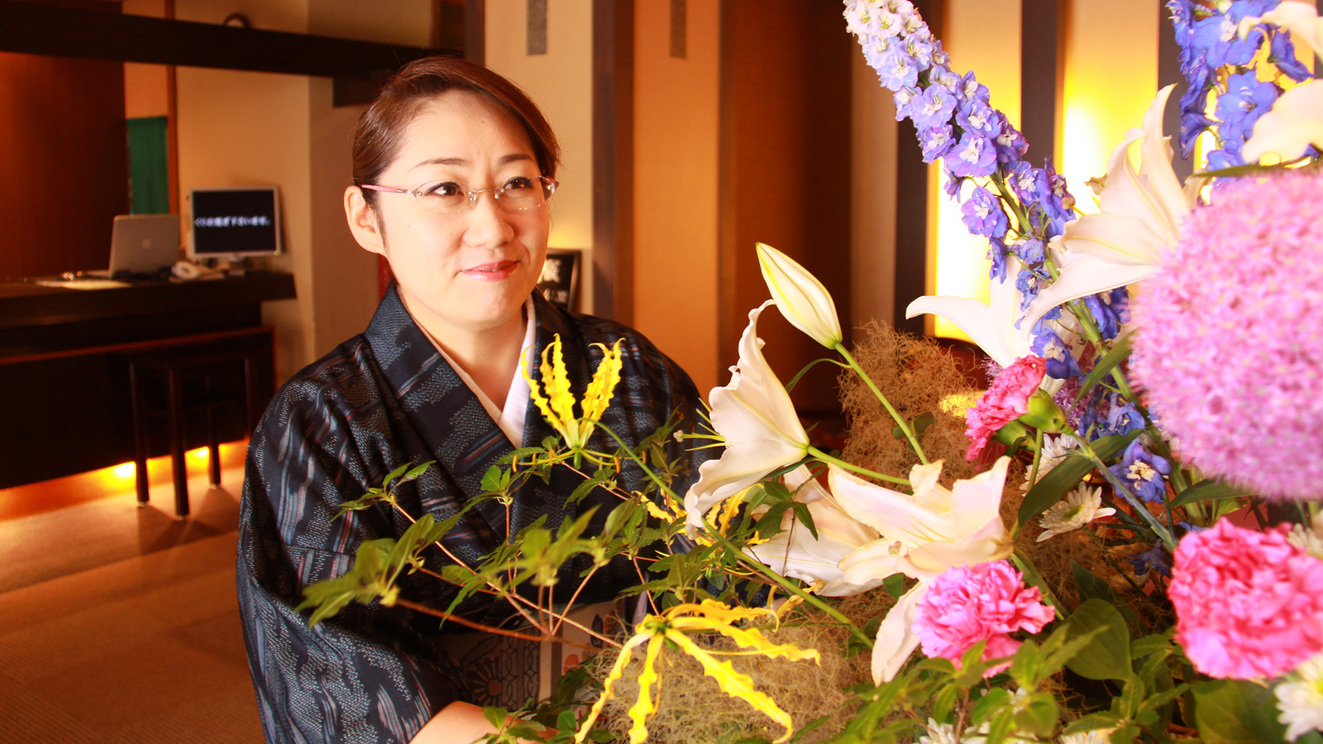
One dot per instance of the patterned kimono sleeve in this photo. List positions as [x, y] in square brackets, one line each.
[369, 674]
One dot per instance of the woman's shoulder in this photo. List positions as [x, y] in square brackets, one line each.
[344, 378]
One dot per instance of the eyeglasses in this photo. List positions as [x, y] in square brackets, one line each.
[519, 194]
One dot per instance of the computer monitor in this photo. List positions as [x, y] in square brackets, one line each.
[234, 222]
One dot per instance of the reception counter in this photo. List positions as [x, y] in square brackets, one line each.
[65, 356]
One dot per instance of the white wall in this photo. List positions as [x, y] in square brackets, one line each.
[248, 128]
[561, 83]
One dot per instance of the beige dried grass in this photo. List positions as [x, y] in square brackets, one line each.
[691, 708]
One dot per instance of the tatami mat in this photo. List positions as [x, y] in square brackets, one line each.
[121, 624]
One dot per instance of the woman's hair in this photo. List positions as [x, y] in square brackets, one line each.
[380, 130]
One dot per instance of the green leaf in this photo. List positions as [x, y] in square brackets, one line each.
[1107, 656]
[496, 479]
[895, 585]
[917, 425]
[1106, 364]
[1089, 586]
[1066, 475]
[392, 475]
[1150, 644]
[417, 471]
[495, 716]
[1236, 712]
[1211, 489]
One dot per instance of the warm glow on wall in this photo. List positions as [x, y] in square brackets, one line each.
[981, 36]
[1111, 76]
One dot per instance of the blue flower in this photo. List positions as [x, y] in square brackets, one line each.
[1282, 54]
[905, 99]
[1011, 145]
[977, 117]
[897, 69]
[1246, 99]
[1219, 159]
[1124, 418]
[1141, 472]
[971, 89]
[1153, 559]
[974, 155]
[933, 108]
[1193, 124]
[997, 256]
[1224, 46]
[919, 47]
[1060, 363]
[936, 142]
[1027, 182]
[953, 182]
[983, 214]
[942, 75]
[1110, 311]
[1029, 282]
[1030, 251]
[1182, 16]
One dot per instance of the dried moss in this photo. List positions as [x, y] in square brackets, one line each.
[918, 376]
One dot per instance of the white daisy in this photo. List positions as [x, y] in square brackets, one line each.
[944, 733]
[1055, 450]
[1300, 699]
[1079, 508]
[1096, 736]
[1307, 538]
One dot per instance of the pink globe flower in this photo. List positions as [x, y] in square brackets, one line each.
[968, 604]
[1230, 339]
[1248, 604]
[1007, 399]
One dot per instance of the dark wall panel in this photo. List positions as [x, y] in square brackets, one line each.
[63, 162]
[785, 170]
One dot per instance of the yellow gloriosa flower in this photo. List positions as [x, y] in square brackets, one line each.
[555, 401]
[673, 625]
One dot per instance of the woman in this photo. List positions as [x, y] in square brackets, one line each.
[452, 169]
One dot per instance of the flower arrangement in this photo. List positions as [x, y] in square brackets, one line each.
[1125, 544]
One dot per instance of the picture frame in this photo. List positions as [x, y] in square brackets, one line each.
[559, 282]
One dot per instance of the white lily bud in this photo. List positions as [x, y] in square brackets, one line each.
[800, 296]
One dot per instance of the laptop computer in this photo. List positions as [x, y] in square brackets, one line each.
[141, 244]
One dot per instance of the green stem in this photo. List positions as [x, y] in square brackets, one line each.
[1033, 475]
[901, 422]
[824, 457]
[1085, 319]
[1027, 568]
[1153, 522]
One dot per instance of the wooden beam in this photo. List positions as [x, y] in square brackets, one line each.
[31, 28]
[1041, 78]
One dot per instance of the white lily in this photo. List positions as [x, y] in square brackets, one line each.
[800, 296]
[755, 416]
[1140, 219]
[991, 326]
[1296, 119]
[794, 552]
[920, 535]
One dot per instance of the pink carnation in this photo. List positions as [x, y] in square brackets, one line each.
[968, 604]
[1248, 604]
[1006, 400]
[1230, 335]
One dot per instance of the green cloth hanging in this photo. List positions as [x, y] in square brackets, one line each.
[149, 171]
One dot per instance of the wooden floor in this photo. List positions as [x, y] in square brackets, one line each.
[120, 623]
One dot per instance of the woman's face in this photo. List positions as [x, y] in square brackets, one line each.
[468, 272]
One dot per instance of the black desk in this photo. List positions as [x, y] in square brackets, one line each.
[64, 377]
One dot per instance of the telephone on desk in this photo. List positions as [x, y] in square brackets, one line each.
[188, 271]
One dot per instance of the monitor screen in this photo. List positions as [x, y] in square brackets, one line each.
[235, 222]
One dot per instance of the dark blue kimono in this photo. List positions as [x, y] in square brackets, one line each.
[378, 401]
